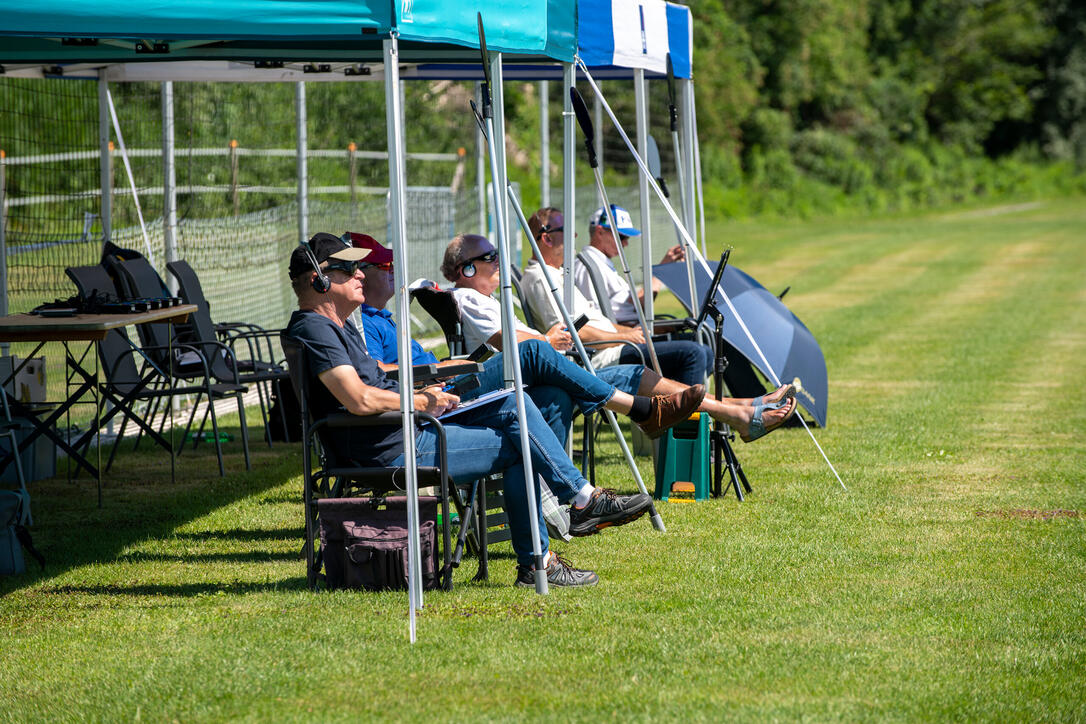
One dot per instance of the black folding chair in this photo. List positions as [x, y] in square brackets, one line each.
[196, 359]
[137, 374]
[335, 476]
[219, 343]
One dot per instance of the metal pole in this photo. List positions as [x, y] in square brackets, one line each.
[509, 335]
[105, 165]
[169, 179]
[480, 167]
[398, 232]
[234, 195]
[687, 134]
[563, 310]
[497, 94]
[302, 160]
[569, 175]
[5, 348]
[544, 144]
[641, 103]
[597, 121]
[697, 170]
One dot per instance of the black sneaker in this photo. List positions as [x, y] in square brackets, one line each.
[605, 509]
[559, 573]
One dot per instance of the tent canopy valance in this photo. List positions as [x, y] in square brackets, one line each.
[118, 31]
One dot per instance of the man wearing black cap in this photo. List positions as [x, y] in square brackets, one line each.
[481, 441]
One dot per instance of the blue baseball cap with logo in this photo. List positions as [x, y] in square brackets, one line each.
[623, 220]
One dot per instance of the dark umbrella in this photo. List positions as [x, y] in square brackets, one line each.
[786, 342]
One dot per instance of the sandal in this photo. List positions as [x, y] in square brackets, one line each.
[758, 429]
[785, 392]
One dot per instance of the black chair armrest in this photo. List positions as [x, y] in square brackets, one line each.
[420, 373]
[465, 367]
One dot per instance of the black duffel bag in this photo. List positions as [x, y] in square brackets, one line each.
[364, 542]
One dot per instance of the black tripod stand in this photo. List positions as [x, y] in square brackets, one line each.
[722, 435]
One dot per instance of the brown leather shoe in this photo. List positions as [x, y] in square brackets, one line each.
[670, 410]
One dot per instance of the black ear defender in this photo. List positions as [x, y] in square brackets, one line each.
[321, 282]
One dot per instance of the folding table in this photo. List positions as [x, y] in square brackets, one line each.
[91, 328]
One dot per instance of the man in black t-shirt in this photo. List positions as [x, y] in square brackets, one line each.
[484, 440]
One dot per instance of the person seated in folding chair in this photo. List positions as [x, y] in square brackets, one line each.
[554, 394]
[739, 376]
[599, 253]
[480, 314]
[553, 382]
[325, 277]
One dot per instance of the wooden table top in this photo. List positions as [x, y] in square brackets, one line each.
[81, 327]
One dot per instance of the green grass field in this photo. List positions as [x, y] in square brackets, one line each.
[947, 583]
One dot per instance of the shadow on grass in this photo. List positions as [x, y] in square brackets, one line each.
[183, 590]
[139, 504]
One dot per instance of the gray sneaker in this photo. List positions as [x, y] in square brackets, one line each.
[559, 573]
[606, 508]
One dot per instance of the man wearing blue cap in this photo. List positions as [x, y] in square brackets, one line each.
[601, 250]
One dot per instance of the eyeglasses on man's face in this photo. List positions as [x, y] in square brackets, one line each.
[490, 257]
[548, 229]
[347, 267]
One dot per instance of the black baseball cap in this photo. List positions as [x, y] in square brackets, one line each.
[324, 247]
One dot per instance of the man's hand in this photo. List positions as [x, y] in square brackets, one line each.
[631, 334]
[675, 253]
[559, 337]
[435, 401]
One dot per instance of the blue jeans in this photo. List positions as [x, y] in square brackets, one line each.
[684, 361]
[555, 383]
[486, 440]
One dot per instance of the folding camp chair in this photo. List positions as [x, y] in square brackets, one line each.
[259, 368]
[136, 374]
[137, 279]
[335, 478]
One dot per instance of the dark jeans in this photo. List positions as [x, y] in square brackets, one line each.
[684, 361]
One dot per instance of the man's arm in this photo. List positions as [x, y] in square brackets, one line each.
[358, 398]
[590, 333]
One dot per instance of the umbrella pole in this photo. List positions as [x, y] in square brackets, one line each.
[688, 244]
[657, 521]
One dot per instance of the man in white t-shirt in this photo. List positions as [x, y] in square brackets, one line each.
[600, 251]
[471, 264]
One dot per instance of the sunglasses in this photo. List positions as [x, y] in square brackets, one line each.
[347, 267]
[490, 257]
[550, 230]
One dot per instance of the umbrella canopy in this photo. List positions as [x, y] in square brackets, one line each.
[788, 345]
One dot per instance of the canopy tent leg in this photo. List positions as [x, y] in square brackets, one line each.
[544, 144]
[398, 232]
[641, 103]
[569, 173]
[303, 161]
[511, 355]
[105, 155]
[169, 179]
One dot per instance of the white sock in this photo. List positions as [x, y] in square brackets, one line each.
[547, 559]
[584, 495]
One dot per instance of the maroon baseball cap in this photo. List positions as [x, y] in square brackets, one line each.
[377, 254]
